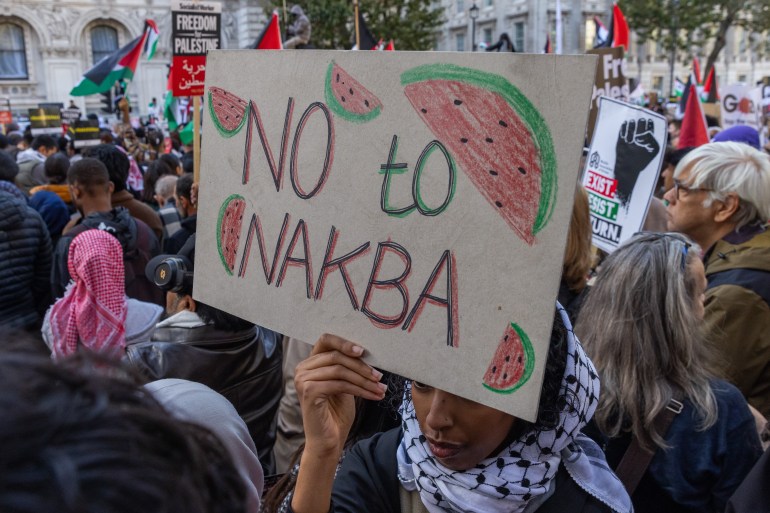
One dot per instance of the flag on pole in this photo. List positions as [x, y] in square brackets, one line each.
[270, 37]
[120, 65]
[696, 70]
[678, 88]
[682, 107]
[710, 93]
[365, 35]
[694, 131]
[619, 28]
[603, 35]
[151, 39]
[548, 48]
[390, 47]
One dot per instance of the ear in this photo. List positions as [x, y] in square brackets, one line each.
[188, 303]
[727, 208]
[183, 202]
[111, 187]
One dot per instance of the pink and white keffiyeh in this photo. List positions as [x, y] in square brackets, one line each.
[92, 312]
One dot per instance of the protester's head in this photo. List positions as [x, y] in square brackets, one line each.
[155, 171]
[8, 167]
[92, 313]
[461, 434]
[88, 178]
[188, 163]
[3, 142]
[53, 210]
[641, 324]
[183, 196]
[577, 256]
[15, 139]
[172, 162]
[175, 276]
[45, 145]
[670, 160]
[115, 161]
[740, 134]
[56, 167]
[81, 436]
[164, 188]
[719, 187]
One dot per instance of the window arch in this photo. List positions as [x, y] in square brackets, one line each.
[13, 56]
[104, 41]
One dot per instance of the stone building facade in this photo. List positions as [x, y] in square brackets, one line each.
[47, 45]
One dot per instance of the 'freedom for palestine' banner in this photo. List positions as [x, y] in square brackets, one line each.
[195, 30]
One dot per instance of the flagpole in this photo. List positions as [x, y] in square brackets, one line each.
[358, 36]
[196, 139]
[558, 27]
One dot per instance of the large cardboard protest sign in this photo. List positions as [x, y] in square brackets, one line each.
[84, 133]
[416, 203]
[195, 30]
[610, 81]
[622, 169]
[741, 105]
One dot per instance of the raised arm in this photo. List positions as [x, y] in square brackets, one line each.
[326, 385]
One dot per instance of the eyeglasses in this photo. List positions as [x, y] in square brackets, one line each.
[680, 186]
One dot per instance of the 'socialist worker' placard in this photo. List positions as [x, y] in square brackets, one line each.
[195, 31]
[622, 169]
[416, 203]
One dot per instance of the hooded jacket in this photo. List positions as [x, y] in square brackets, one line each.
[25, 263]
[31, 170]
[139, 246]
[738, 310]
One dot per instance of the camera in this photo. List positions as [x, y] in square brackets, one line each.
[171, 273]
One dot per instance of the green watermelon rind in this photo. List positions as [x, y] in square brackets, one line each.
[222, 211]
[523, 107]
[529, 365]
[339, 109]
[222, 130]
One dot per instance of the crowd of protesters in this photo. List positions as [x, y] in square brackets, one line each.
[121, 392]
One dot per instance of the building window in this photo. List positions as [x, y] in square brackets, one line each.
[518, 36]
[657, 83]
[13, 58]
[460, 6]
[489, 3]
[743, 78]
[104, 41]
[487, 35]
[460, 42]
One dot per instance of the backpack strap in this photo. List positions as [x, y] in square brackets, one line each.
[636, 459]
[755, 280]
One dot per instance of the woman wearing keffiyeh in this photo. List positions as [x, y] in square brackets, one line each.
[452, 454]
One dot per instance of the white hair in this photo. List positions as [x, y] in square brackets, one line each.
[165, 186]
[731, 167]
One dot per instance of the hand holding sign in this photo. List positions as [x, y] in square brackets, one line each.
[635, 149]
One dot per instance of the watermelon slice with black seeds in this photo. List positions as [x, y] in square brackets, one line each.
[228, 111]
[495, 133]
[229, 230]
[347, 98]
[513, 362]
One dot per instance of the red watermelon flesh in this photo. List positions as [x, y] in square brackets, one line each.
[348, 98]
[229, 230]
[227, 110]
[493, 145]
[513, 362]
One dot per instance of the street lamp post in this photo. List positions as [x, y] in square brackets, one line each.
[474, 12]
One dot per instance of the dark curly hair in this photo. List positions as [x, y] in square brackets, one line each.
[82, 436]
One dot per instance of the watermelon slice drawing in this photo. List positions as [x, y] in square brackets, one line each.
[513, 362]
[347, 98]
[500, 140]
[229, 230]
[228, 111]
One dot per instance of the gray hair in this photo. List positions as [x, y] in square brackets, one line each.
[165, 186]
[640, 327]
[730, 167]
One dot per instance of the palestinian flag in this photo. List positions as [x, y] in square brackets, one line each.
[152, 36]
[270, 37]
[619, 28]
[602, 39]
[547, 48]
[365, 35]
[390, 47]
[120, 65]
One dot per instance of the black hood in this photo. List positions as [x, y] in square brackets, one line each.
[118, 222]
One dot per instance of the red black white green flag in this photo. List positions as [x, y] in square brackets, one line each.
[120, 65]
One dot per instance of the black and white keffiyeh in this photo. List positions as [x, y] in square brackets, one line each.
[521, 473]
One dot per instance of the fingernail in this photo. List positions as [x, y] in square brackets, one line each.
[383, 387]
[358, 350]
[377, 374]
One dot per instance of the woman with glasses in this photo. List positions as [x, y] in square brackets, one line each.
[641, 325]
